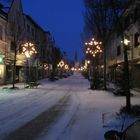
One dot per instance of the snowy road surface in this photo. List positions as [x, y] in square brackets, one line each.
[61, 110]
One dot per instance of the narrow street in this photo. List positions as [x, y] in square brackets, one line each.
[62, 110]
[48, 49]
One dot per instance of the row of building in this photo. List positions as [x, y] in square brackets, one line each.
[18, 27]
[114, 47]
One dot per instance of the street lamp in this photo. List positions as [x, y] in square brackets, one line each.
[66, 67]
[61, 64]
[126, 74]
[28, 49]
[88, 61]
[93, 49]
[126, 41]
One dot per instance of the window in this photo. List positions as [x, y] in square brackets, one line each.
[12, 46]
[136, 13]
[137, 39]
[33, 32]
[28, 28]
[1, 33]
[118, 50]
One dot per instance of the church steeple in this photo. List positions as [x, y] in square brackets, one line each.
[76, 61]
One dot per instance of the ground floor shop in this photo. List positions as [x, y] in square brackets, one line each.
[24, 73]
[114, 71]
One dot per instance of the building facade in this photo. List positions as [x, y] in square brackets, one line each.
[115, 55]
[4, 45]
[17, 28]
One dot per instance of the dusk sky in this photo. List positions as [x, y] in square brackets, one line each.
[63, 18]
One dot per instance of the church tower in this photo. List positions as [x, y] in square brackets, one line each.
[76, 61]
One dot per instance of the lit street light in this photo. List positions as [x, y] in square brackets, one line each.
[61, 65]
[126, 41]
[126, 74]
[66, 67]
[93, 50]
[28, 49]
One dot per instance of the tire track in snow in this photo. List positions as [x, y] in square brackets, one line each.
[20, 112]
[31, 130]
[35, 99]
[72, 119]
[9, 123]
[65, 122]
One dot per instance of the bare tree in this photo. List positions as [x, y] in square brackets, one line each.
[121, 27]
[103, 16]
[99, 19]
[17, 30]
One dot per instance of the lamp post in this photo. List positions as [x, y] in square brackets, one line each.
[126, 74]
[93, 48]
[61, 64]
[29, 49]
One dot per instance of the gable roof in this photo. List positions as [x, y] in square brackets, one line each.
[6, 5]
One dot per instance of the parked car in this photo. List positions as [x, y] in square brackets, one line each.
[132, 132]
[65, 75]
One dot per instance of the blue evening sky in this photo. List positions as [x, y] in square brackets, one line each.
[63, 18]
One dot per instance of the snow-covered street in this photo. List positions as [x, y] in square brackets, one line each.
[62, 110]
